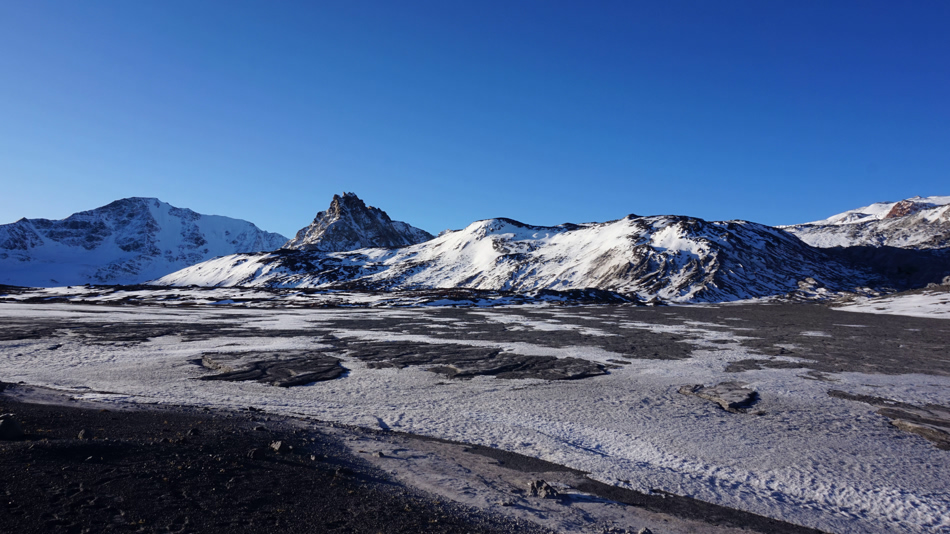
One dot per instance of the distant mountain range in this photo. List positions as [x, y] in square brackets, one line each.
[125, 242]
[353, 246]
[914, 223]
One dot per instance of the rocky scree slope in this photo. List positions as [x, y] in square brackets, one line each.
[349, 224]
[673, 258]
[127, 241]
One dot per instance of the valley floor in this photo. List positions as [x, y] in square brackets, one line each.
[844, 433]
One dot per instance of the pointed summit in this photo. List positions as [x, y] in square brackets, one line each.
[349, 224]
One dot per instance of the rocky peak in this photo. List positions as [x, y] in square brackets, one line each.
[349, 224]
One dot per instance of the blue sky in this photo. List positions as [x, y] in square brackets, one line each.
[442, 113]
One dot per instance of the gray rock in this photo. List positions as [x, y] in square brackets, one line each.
[733, 397]
[280, 446]
[542, 489]
[10, 428]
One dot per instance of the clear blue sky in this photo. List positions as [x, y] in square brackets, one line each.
[445, 112]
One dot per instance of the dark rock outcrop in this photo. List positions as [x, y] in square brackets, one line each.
[282, 369]
[733, 397]
[542, 489]
[349, 224]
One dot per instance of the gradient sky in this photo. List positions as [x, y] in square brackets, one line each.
[446, 112]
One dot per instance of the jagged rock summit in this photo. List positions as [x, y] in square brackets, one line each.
[349, 224]
[127, 241]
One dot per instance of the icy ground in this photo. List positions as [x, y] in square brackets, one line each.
[922, 303]
[799, 455]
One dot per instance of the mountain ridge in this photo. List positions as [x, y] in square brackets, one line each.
[127, 241]
[672, 258]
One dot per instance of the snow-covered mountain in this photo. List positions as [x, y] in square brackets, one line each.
[126, 242]
[916, 223]
[349, 224]
[670, 257]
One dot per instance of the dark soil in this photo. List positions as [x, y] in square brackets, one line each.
[181, 470]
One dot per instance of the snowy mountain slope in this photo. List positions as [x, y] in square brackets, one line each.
[125, 242]
[349, 224]
[670, 257]
[918, 222]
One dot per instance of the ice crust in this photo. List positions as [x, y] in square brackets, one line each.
[931, 304]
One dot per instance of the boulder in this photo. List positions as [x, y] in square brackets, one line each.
[542, 489]
[733, 397]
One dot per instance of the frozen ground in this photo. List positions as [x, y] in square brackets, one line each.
[798, 455]
[933, 303]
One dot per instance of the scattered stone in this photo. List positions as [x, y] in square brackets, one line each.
[280, 446]
[255, 454]
[380, 454]
[644, 530]
[194, 432]
[733, 397]
[82, 434]
[10, 428]
[542, 489]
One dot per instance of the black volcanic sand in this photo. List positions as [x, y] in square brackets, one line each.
[186, 470]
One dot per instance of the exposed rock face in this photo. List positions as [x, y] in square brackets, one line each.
[126, 242]
[904, 208]
[349, 224]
